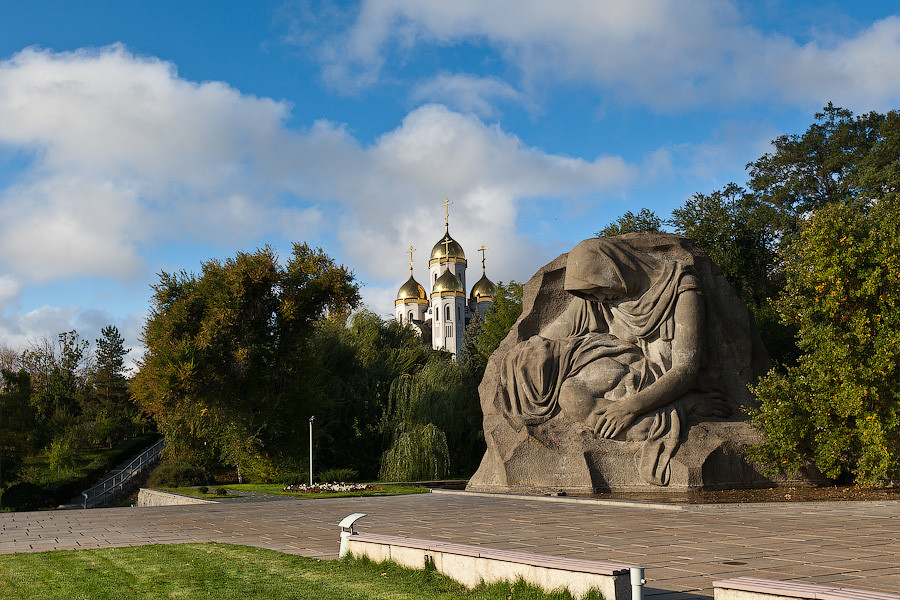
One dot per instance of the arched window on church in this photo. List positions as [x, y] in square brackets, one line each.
[447, 313]
[458, 314]
[410, 317]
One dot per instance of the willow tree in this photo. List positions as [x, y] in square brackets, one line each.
[434, 422]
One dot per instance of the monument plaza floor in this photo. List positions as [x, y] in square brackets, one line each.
[683, 548]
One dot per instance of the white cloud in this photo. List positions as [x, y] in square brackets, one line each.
[663, 53]
[469, 93]
[127, 156]
[126, 153]
[436, 154]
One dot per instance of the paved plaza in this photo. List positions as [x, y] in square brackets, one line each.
[854, 544]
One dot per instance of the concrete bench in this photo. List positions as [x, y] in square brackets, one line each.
[470, 565]
[753, 588]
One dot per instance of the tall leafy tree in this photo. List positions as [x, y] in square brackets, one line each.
[17, 423]
[224, 370]
[839, 407]
[59, 373]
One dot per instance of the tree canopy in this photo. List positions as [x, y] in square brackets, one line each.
[644, 221]
[227, 351]
[839, 407]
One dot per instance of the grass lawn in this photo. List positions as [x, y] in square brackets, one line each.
[224, 572]
[277, 488]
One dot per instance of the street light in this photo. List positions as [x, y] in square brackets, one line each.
[311, 419]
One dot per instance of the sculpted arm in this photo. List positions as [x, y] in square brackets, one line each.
[687, 353]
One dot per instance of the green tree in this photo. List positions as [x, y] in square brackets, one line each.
[818, 168]
[500, 318]
[223, 374]
[59, 373]
[17, 423]
[644, 221]
[738, 234]
[442, 394]
[109, 376]
[839, 407]
[348, 384]
[741, 235]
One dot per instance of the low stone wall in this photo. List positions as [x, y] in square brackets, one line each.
[156, 498]
[470, 565]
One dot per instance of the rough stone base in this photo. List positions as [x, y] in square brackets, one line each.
[558, 456]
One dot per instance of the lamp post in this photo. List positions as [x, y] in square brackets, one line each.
[311, 419]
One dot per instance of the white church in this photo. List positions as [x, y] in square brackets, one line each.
[446, 311]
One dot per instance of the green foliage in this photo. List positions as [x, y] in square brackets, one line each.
[419, 452]
[500, 319]
[108, 377]
[173, 472]
[227, 363]
[741, 234]
[349, 378]
[442, 393]
[839, 407]
[61, 454]
[738, 233]
[338, 475]
[17, 430]
[59, 373]
[23, 496]
[644, 221]
[820, 167]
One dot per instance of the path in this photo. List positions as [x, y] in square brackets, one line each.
[856, 544]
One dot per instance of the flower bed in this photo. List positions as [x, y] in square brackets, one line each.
[335, 487]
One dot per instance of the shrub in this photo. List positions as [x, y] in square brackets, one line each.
[24, 496]
[221, 491]
[298, 478]
[176, 473]
[203, 489]
[338, 475]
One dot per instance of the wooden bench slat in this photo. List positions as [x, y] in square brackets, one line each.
[771, 586]
[854, 594]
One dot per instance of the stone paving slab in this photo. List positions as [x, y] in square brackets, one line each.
[856, 544]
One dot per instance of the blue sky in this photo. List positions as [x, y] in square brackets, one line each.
[137, 137]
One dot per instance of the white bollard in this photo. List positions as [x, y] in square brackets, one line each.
[637, 583]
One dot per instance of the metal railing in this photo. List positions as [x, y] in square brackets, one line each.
[113, 484]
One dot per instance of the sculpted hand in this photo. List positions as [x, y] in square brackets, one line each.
[613, 419]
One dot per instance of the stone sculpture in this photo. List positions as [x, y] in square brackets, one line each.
[627, 370]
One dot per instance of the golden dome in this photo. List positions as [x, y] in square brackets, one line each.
[443, 251]
[411, 291]
[448, 284]
[484, 290]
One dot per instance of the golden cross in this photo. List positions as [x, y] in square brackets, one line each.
[446, 206]
[482, 249]
[410, 252]
[446, 244]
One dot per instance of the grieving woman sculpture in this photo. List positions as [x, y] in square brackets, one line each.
[625, 344]
[629, 347]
